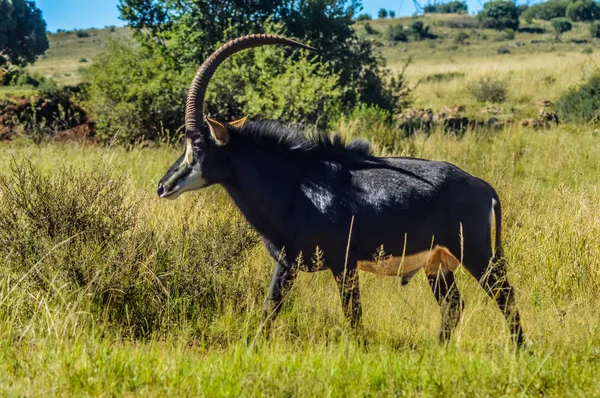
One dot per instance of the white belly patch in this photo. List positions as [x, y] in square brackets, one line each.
[407, 266]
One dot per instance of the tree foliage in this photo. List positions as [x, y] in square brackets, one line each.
[382, 14]
[547, 10]
[560, 26]
[177, 35]
[452, 7]
[22, 32]
[583, 11]
[499, 14]
[595, 30]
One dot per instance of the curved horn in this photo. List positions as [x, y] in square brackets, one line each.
[194, 115]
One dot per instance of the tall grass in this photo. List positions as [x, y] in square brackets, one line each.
[167, 299]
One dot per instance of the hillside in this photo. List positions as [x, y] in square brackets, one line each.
[533, 65]
[69, 51]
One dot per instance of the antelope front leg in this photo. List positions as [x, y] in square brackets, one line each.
[281, 282]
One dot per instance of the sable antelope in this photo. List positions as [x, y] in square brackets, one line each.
[391, 216]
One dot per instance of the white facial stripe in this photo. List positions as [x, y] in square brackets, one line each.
[189, 153]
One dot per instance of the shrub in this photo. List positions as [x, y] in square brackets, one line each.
[461, 37]
[595, 30]
[396, 33]
[76, 236]
[373, 124]
[83, 60]
[364, 17]
[560, 25]
[135, 94]
[547, 10]
[581, 103]
[83, 33]
[130, 105]
[185, 37]
[452, 7]
[369, 29]
[499, 14]
[419, 31]
[587, 51]
[442, 77]
[489, 89]
[503, 50]
[583, 11]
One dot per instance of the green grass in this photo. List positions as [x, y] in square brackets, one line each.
[62, 60]
[172, 306]
[56, 339]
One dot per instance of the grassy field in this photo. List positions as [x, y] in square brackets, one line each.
[60, 337]
[70, 52]
[115, 292]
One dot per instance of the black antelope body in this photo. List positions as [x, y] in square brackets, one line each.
[392, 216]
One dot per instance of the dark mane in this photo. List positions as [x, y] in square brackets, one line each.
[276, 136]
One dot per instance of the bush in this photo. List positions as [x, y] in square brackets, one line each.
[583, 11]
[461, 37]
[134, 94]
[82, 33]
[419, 31]
[364, 17]
[489, 90]
[582, 103]
[83, 60]
[369, 29]
[185, 37]
[396, 33]
[452, 7]
[76, 237]
[373, 124]
[275, 86]
[560, 25]
[499, 14]
[130, 105]
[595, 30]
[547, 10]
[503, 50]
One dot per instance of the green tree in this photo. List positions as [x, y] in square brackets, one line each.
[382, 14]
[583, 11]
[396, 33]
[595, 30]
[499, 14]
[22, 32]
[452, 7]
[547, 10]
[560, 26]
[187, 31]
[392, 14]
[419, 31]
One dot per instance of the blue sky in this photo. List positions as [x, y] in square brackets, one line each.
[82, 14]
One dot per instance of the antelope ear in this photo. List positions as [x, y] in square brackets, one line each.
[236, 124]
[218, 131]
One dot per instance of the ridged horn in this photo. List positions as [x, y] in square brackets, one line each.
[194, 112]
